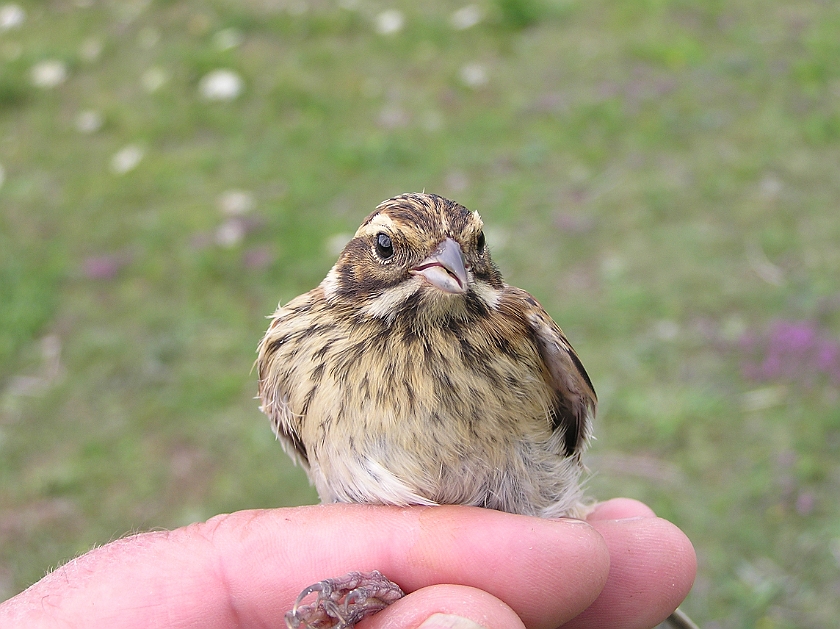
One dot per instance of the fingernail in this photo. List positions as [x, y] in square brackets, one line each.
[449, 621]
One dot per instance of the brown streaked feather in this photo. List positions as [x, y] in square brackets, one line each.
[274, 381]
[576, 400]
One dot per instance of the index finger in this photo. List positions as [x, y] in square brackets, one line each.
[247, 568]
[543, 569]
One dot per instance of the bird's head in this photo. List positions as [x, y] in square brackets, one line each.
[419, 252]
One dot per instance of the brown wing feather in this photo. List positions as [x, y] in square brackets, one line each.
[575, 404]
[273, 391]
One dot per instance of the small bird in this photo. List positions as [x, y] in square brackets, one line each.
[413, 375]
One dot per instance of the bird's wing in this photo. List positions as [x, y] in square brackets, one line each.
[574, 408]
[274, 387]
[280, 415]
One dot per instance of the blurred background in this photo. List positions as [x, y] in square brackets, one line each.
[661, 174]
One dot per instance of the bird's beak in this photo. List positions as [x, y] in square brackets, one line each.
[445, 268]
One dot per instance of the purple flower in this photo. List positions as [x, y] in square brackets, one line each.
[793, 351]
[104, 267]
[257, 258]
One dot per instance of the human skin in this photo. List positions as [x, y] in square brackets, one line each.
[622, 568]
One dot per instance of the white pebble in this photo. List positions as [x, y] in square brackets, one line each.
[236, 202]
[390, 22]
[48, 73]
[220, 85]
[474, 75]
[89, 121]
[228, 38]
[230, 233]
[11, 16]
[91, 49]
[126, 159]
[466, 17]
[770, 187]
[153, 79]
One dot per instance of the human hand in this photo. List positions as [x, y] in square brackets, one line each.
[499, 570]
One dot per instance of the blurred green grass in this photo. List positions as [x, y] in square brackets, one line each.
[662, 175]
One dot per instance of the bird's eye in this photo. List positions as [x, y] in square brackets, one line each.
[384, 246]
[479, 244]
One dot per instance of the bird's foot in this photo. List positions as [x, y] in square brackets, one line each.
[341, 603]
